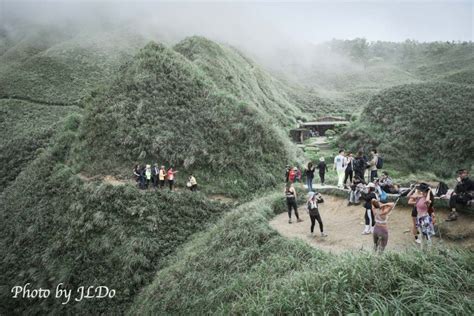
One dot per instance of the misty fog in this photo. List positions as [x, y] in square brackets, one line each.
[265, 30]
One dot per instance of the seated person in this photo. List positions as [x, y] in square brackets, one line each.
[386, 183]
[357, 187]
[463, 193]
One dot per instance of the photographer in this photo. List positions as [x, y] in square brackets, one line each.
[386, 183]
[463, 193]
[313, 208]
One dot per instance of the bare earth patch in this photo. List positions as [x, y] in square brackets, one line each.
[344, 225]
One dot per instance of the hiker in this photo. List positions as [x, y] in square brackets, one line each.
[290, 194]
[322, 167]
[287, 173]
[297, 174]
[463, 193]
[136, 174]
[412, 196]
[313, 202]
[340, 167]
[359, 165]
[309, 176]
[349, 160]
[423, 202]
[170, 176]
[162, 176]
[369, 214]
[357, 187]
[382, 210]
[373, 165]
[154, 174]
[292, 175]
[148, 175]
[192, 183]
[142, 178]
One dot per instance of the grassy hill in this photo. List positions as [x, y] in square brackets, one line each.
[57, 228]
[236, 74]
[242, 266]
[158, 107]
[418, 127]
[25, 128]
[349, 72]
[163, 108]
[60, 67]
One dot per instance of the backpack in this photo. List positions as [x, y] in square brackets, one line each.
[379, 163]
[441, 189]
[382, 195]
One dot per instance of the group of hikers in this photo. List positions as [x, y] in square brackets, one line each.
[374, 194]
[147, 176]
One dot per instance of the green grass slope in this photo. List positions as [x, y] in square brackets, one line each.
[58, 229]
[242, 266]
[233, 72]
[163, 108]
[25, 127]
[418, 127]
[57, 67]
[236, 74]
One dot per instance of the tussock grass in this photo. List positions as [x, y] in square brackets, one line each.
[56, 228]
[418, 127]
[25, 129]
[242, 266]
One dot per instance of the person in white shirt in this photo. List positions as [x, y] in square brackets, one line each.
[340, 167]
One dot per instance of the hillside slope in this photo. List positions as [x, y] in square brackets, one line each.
[418, 127]
[233, 72]
[25, 127]
[60, 67]
[163, 108]
[242, 266]
[58, 229]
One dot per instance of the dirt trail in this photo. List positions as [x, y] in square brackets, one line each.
[114, 181]
[344, 225]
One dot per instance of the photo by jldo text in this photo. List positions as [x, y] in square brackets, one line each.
[61, 292]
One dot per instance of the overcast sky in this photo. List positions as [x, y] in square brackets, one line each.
[236, 21]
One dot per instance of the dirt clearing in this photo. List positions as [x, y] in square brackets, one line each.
[344, 225]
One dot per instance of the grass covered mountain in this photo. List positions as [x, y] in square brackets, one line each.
[418, 127]
[350, 72]
[161, 107]
[242, 266]
[233, 72]
[204, 108]
[56, 228]
[60, 67]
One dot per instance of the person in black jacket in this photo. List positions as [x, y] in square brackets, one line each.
[463, 193]
[359, 165]
[349, 168]
[313, 208]
[322, 167]
[142, 178]
[369, 213]
[309, 176]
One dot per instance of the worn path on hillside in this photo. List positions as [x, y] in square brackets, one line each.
[344, 225]
[109, 179]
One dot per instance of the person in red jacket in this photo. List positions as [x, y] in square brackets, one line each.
[292, 175]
